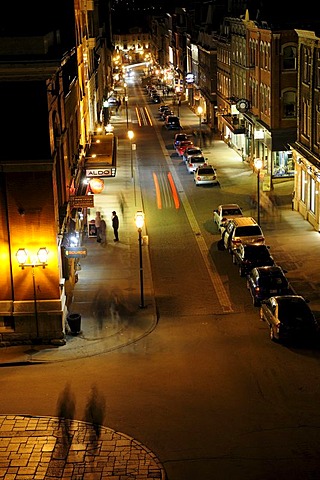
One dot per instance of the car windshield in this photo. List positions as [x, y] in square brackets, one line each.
[231, 211]
[294, 311]
[196, 159]
[256, 252]
[192, 151]
[274, 282]
[248, 231]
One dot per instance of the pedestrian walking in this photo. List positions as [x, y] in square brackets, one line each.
[293, 194]
[103, 231]
[115, 226]
[97, 223]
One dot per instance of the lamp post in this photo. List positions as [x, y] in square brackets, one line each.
[126, 101]
[130, 136]
[22, 257]
[200, 110]
[258, 166]
[139, 219]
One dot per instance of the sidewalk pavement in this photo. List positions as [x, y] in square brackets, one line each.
[108, 297]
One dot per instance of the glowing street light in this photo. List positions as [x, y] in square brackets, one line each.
[22, 257]
[258, 165]
[139, 219]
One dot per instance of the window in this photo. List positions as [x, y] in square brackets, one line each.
[289, 58]
[306, 64]
[303, 186]
[317, 56]
[312, 195]
[289, 104]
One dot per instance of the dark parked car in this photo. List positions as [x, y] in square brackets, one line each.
[249, 256]
[289, 318]
[156, 98]
[266, 282]
[172, 122]
[165, 113]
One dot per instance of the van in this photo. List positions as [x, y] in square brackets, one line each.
[242, 230]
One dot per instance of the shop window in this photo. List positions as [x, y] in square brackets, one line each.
[312, 195]
[303, 186]
[6, 323]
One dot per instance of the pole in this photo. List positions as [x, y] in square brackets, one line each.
[141, 270]
[131, 160]
[258, 195]
[126, 102]
[200, 133]
[35, 300]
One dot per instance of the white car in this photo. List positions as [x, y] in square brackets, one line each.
[195, 161]
[225, 212]
[205, 175]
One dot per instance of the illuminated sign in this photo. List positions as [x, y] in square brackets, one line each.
[76, 252]
[101, 172]
[82, 201]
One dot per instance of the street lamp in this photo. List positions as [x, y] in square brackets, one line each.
[130, 136]
[22, 257]
[258, 166]
[126, 101]
[139, 219]
[200, 110]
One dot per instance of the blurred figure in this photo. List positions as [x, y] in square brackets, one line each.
[65, 411]
[97, 223]
[103, 232]
[95, 410]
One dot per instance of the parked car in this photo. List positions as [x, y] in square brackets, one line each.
[194, 150]
[241, 230]
[172, 123]
[178, 138]
[183, 145]
[156, 98]
[249, 256]
[163, 107]
[165, 113]
[195, 161]
[205, 175]
[265, 282]
[289, 318]
[226, 212]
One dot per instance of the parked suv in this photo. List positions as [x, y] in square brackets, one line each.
[243, 230]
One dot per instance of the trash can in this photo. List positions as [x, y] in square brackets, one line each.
[74, 322]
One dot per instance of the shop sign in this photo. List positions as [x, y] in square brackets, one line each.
[101, 172]
[81, 201]
[75, 252]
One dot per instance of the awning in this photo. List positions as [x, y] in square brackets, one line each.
[235, 128]
[101, 159]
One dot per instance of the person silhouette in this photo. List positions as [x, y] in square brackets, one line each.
[115, 226]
